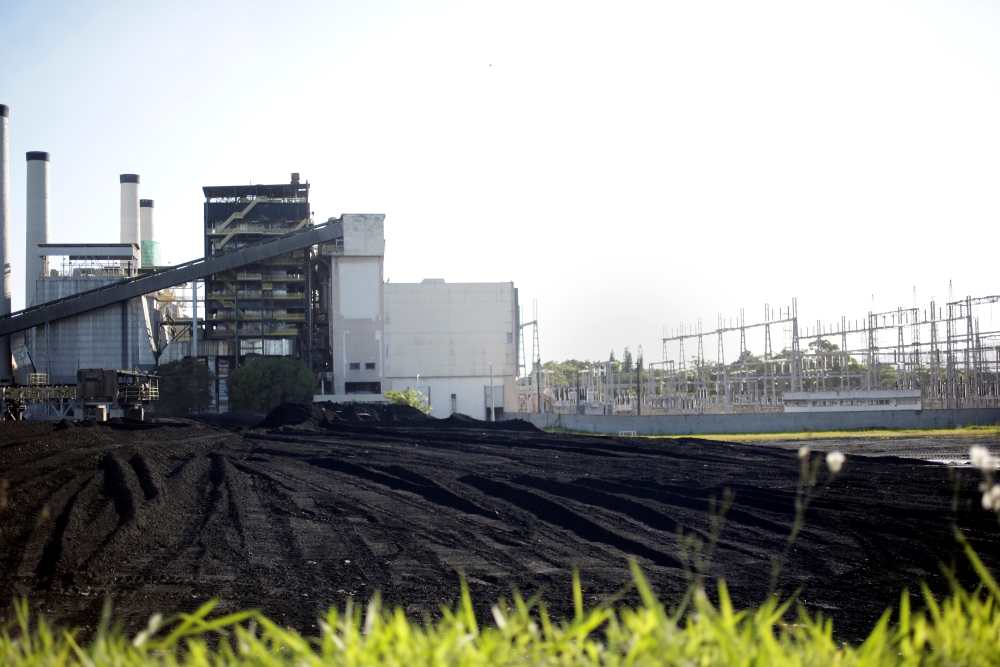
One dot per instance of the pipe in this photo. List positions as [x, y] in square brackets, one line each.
[149, 248]
[194, 319]
[37, 221]
[6, 368]
[130, 209]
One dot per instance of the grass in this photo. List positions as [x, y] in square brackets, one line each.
[963, 629]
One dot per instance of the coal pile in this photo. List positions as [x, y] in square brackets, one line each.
[331, 415]
[328, 413]
[326, 502]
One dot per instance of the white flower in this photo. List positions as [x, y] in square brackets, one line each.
[804, 453]
[835, 461]
[991, 499]
[981, 458]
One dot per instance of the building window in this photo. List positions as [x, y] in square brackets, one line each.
[362, 387]
[454, 403]
[355, 366]
[369, 365]
[510, 338]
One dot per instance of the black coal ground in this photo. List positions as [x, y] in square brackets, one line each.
[301, 516]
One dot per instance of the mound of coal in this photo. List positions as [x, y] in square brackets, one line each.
[380, 412]
[294, 519]
[328, 413]
[458, 420]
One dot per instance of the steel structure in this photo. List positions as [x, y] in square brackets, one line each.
[165, 278]
[529, 385]
[941, 350]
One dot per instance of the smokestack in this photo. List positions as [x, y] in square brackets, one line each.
[130, 208]
[5, 364]
[37, 223]
[147, 234]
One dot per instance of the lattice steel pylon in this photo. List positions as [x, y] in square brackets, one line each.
[521, 370]
[536, 356]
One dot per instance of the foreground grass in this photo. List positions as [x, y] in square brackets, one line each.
[964, 629]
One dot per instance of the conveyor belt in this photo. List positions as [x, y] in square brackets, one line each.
[163, 279]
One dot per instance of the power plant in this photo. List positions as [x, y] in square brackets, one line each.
[271, 282]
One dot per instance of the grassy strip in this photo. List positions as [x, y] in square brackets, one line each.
[964, 629]
[882, 434]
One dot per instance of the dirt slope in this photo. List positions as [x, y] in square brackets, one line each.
[294, 518]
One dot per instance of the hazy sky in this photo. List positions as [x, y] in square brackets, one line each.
[629, 165]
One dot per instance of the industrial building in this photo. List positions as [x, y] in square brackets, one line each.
[270, 283]
[433, 336]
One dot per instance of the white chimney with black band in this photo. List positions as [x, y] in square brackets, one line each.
[36, 229]
[5, 362]
[130, 209]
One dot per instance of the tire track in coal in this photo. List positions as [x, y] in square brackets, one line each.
[671, 498]
[429, 490]
[565, 518]
[613, 503]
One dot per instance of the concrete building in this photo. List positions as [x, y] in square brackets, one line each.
[441, 338]
[437, 337]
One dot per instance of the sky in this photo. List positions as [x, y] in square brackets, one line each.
[631, 166]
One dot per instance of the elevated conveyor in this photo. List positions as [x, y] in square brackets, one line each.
[166, 278]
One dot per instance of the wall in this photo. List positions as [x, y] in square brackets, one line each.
[90, 340]
[766, 423]
[356, 319]
[449, 329]
[448, 334]
[470, 393]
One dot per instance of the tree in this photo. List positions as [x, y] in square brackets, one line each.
[410, 397]
[184, 386]
[824, 346]
[626, 361]
[265, 383]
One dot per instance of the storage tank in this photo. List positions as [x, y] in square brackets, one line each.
[36, 229]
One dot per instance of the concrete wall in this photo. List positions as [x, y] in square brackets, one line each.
[780, 422]
[449, 329]
[471, 397]
[364, 234]
[356, 303]
[448, 334]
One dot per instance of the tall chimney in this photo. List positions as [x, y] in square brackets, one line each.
[130, 208]
[147, 234]
[5, 363]
[37, 221]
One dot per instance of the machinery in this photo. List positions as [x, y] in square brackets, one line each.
[99, 394]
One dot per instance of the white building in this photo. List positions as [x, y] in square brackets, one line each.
[438, 337]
